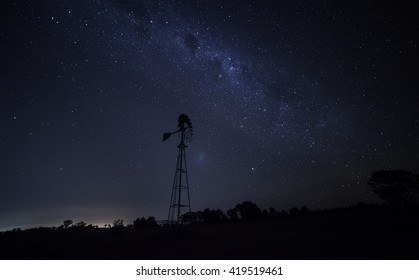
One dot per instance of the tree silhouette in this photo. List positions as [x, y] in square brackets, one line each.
[272, 212]
[211, 216]
[67, 223]
[232, 214]
[143, 222]
[151, 221]
[80, 224]
[396, 187]
[265, 213]
[248, 210]
[191, 218]
[294, 211]
[304, 210]
[119, 223]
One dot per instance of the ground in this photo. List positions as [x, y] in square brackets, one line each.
[315, 236]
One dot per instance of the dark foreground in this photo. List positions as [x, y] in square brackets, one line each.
[315, 236]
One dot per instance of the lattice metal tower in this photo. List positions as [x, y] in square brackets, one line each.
[180, 202]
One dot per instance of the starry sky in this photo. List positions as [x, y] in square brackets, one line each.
[293, 103]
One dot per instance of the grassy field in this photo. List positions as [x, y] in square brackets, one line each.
[314, 236]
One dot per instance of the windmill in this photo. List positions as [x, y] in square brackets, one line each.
[180, 200]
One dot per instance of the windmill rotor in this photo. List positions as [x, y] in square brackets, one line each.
[184, 127]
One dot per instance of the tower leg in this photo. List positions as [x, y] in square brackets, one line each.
[180, 199]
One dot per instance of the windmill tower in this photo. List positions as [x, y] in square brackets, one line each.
[180, 201]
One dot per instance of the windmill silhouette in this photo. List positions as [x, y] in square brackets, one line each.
[180, 200]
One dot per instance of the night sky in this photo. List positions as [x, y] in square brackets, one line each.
[293, 103]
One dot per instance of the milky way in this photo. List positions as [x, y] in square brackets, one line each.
[292, 103]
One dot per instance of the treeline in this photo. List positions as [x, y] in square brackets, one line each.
[246, 210]
[69, 225]
[250, 211]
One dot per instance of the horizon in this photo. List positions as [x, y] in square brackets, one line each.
[101, 222]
